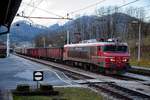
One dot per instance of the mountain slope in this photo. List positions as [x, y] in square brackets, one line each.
[24, 31]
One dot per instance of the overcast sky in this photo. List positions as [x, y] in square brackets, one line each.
[62, 7]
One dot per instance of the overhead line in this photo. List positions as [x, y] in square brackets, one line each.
[89, 6]
[128, 3]
[34, 8]
[101, 2]
[61, 17]
[43, 17]
[123, 5]
[27, 3]
[44, 10]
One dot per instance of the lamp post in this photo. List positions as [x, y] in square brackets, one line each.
[44, 44]
[68, 37]
[8, 44]
[139, 40]
[139, 44]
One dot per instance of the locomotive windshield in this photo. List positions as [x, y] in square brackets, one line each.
[115, 48]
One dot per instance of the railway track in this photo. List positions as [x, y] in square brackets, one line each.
[106, 84]
[120, 92]
[141, 71]
[137, 76]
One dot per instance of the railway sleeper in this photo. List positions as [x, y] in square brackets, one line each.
[112, 92]
[132, 92]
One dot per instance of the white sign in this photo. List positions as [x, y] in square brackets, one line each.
[38, 75]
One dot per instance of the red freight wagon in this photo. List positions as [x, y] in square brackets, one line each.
[55, 53]
[29, 52]
[35, 52]
[42, 52]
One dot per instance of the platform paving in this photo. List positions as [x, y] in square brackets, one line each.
[16, 70]
[1, 95]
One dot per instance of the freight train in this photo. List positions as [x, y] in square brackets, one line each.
[3, 50]
[109, 57]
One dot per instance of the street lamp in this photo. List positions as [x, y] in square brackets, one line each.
[8, 44]
[139, 42]
[44, 44]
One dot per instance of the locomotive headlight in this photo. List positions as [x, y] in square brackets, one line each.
[112, 59]
[125, 60]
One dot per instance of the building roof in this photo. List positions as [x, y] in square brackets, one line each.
[8, 10]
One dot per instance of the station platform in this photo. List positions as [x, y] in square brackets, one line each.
[16, 70]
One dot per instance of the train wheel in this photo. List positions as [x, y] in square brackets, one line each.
[95, 68]
[67, 62]
[75, 64]
[91, 67]
[85, 67]
[107, 72]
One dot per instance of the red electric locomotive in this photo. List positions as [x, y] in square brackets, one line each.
[108, 57]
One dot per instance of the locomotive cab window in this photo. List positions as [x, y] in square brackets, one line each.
[115, 48]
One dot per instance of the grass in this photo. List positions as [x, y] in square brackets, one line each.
[145, 58]
[31, 98]
[67, 94]
[142, 63]
[145, 54]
